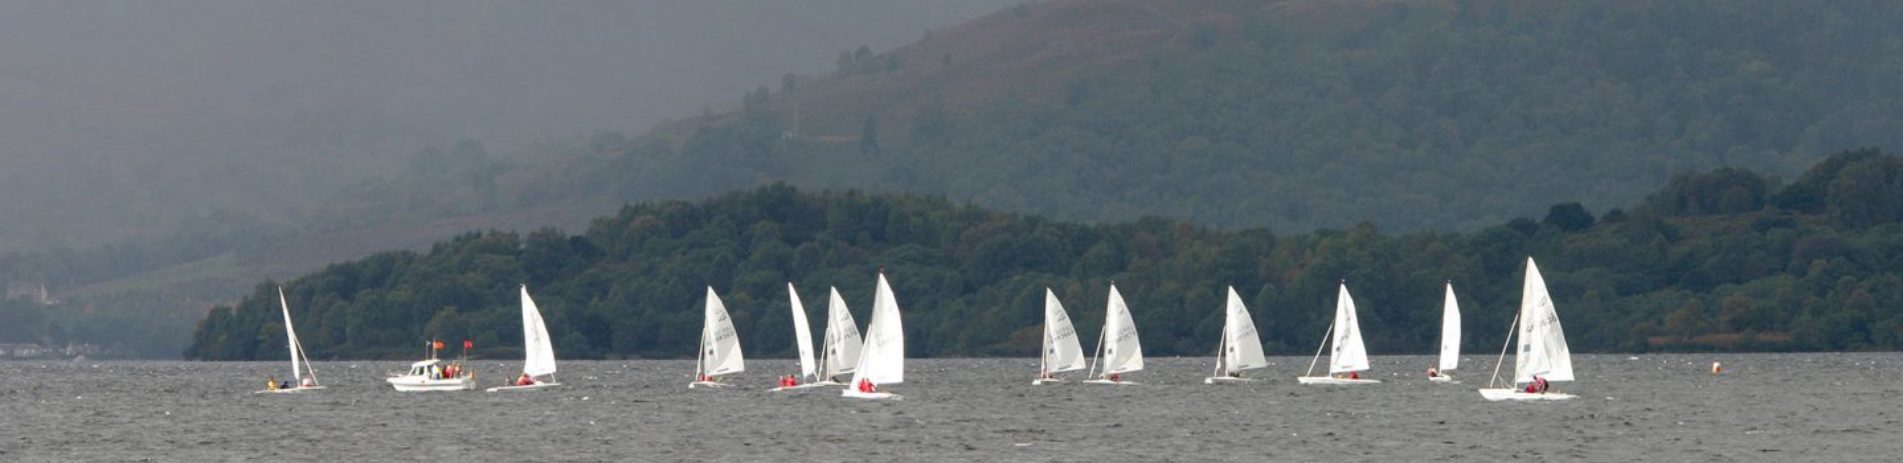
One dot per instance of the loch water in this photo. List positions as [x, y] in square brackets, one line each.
[1804, 407]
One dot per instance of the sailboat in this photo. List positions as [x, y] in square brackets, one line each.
[1543, 356]
[1348, 356]
[1117, 344]
[883, 359]
[304, 377]
[1061, 351]
[1241, 348]
[1449, 339]
[719, 346]
[841, 354]
[538, 354]
[803, 340]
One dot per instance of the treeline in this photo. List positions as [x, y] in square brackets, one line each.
[1725, 260]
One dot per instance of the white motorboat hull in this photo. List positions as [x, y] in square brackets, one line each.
[1227, 379]
[1441, 379]
[1333, 380]
[420, 384]
[1106, 381]
[855, 394]
[708, 384]
[531, 387]
[288, 390]
[1497, 395]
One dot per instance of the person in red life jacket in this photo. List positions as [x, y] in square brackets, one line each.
[1116, 377]
[1354, 375]
[1538, 386]
[525, 380]
[865, 385]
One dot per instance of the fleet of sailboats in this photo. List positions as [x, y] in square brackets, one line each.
[538, 353]
[719, 346]
[882, 362]
[1061, 351]
[1117, 344]
[1241, 348]
[1349, 357]
[878, 359]
[1543, 356]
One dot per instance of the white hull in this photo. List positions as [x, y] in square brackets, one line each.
[1106, 381]
[420, 384]
[1044, 381]
[288, 390]
[708, 384]
[1333, 380]
[531, 387]
[1227, 379]
[806, 386]
[855, 394]
[1441, 379]
[1516, 394]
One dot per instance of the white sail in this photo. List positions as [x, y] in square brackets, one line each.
[802, 334]
[1122, 352]
[299, 363]
[1543, 350]
[883, 360]
[842, 338]
[1061, 350]
[538, 351]
[719, 344]
[1348, 354]
[1450, 332]
[1242, 348]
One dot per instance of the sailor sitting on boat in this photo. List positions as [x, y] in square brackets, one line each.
[1433, 372]
[1538, 386]
[271, 383]
[525, 380]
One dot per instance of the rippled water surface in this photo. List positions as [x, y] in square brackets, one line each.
[1655, 407]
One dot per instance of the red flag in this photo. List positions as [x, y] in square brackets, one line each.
[468, 345]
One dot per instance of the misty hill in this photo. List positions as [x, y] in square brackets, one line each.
[1721, 260]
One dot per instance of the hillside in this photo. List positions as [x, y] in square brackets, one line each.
[1724, 260]
[1428, 116]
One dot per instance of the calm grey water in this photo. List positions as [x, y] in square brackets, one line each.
[1657, 407]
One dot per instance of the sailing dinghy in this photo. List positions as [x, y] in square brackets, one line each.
[538, 353]
[841, 355]
[1543, 356]
[1241, 348]
[1061, 350]
[883, 359]
[1449, 339]
[719, 347]
[304, 377]
[803, 340]
[1117, 344]
[1349, 356]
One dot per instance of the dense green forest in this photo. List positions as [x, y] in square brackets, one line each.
[1725, 260]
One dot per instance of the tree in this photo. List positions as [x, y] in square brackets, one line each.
[1568, 217]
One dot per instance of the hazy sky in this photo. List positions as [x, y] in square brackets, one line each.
[149, 109]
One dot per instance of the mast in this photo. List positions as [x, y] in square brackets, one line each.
[1095, 353]
[1503, 349]
[1318, 349]
[1220, 358]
